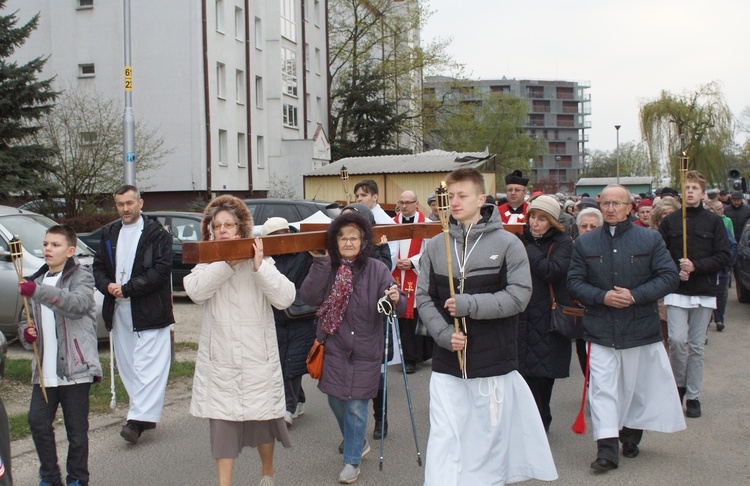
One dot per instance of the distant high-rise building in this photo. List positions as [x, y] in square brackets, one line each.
[238, 89]
[557, 113]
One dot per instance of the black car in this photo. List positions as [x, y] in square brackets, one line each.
[183, 225]
[742, 266]
[293, 210]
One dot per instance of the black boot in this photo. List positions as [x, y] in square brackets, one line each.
[607, 455]
[377, 407]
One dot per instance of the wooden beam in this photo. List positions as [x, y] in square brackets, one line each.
[310, 238]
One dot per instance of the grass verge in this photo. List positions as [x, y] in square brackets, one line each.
[18, 376]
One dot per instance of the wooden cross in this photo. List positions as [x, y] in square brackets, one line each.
[311, 237]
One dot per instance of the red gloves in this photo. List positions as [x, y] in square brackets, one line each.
[30, 338]
[27, 288]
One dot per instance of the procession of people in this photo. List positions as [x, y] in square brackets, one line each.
[474, 303]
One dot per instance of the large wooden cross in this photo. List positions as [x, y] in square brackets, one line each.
[312, 236]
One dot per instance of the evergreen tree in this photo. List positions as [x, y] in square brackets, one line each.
[24, 99]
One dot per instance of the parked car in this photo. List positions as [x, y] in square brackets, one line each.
[30, 228]
[183, 225]
[742, 266]
[293, 210]
[52, 208]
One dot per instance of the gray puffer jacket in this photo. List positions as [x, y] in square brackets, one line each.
[634, 258]
[72, 301]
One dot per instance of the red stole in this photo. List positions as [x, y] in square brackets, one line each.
[507, 216]
[407, 279]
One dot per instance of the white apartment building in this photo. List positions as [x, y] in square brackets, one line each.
[237, 88]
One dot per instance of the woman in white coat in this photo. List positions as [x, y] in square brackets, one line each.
[238, 383]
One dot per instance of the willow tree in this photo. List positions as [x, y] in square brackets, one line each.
[698, 123]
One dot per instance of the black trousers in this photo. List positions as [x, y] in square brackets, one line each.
[416, 348]
[541, 388]
[74, 400]
[293, 393]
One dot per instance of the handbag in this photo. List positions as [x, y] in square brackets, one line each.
[314, 360]
[565, 320]
[300, 310]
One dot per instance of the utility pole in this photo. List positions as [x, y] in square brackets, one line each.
[128, 120]
[617, 154]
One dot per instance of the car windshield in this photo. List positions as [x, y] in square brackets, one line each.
[30, 229]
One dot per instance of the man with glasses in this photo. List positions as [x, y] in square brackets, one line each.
[689, 308]
[618, 272]
[133, 268]
[416, 348]
[514, 211]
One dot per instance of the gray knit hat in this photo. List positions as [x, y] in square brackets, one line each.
[548, 204]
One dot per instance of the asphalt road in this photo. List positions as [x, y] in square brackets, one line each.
[715, 449]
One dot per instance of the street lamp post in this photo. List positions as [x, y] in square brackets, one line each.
[617, 154]
[557, 173]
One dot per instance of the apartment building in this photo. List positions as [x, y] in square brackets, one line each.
[237, 88]
[557, 113]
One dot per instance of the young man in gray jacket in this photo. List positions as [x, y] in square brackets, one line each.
[64, 317]
[484, 424]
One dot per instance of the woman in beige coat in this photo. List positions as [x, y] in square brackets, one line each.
[238, 383]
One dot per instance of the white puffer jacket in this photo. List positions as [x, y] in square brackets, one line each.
[237, 371]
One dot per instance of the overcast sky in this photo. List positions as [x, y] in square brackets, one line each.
[628, 50]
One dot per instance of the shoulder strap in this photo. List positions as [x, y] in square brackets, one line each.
[551, 291]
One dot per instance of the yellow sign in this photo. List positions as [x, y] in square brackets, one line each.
[128, 78]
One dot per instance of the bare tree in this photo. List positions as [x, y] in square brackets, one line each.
[85, 131]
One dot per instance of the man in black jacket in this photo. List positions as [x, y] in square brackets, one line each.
[618, 272]
[738, 212]
[689, 309]
[132, 269]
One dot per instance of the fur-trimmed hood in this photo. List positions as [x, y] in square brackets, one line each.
[233, 205]
[345, 219]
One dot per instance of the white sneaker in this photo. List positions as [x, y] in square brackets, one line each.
[365, 448]
[300, 410]
[288, 418]
[349, 474]
[267, 481]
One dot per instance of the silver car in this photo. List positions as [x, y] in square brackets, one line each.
[30, 228]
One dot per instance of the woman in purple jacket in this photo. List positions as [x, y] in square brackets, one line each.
[346, 284]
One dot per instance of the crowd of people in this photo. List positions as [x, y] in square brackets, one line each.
[475, 302]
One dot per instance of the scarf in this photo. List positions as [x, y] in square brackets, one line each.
[331, 312]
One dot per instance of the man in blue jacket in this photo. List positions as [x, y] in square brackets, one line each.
[618, 272]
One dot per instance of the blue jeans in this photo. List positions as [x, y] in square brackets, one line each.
[74, 400]
[352, 418]
[721, 296]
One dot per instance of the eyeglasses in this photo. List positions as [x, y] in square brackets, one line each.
[404, 203]
[351, 241]
[229, 226]
[612, 204]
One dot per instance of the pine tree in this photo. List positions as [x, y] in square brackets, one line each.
[24, 99]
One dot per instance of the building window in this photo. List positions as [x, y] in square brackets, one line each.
[220, 16]
[241, 150]
[260, 159]
[316, 12]
[85, 4]
[288, 26]
[307, 57]
[319, 107]
[239, 24]
[288, 71]
[86, 70]
[223, 147]
[317, 61]
[259, 92]
[221, 80]
[88, 138]
[258, 34]
[239, 87]
[290, 116]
